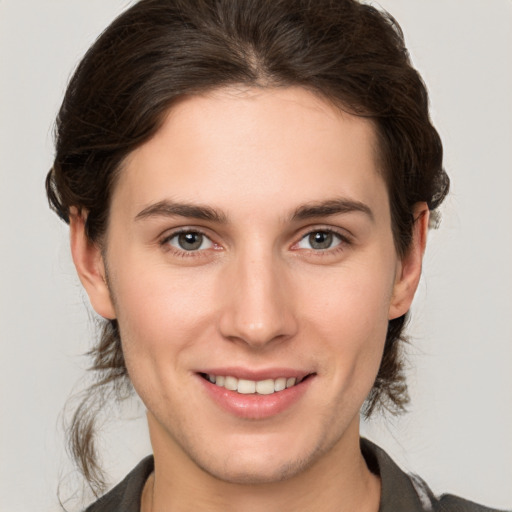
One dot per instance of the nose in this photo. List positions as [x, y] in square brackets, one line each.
[258, 302]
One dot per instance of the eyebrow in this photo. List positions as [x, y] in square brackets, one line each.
[168, 208]
[331, 207]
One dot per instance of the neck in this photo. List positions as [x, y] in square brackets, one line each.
[339, 481]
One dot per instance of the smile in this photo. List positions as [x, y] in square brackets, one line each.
[248, 387]
[255, 395]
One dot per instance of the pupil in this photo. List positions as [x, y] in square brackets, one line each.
[320, 240]
[190, 241]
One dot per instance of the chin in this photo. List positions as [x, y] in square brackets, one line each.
[259, 464]
[247, 472]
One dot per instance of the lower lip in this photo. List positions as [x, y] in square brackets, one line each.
[256, 406]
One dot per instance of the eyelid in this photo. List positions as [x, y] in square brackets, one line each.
[345, 239]
[172, 233]
[344, 234]
[335, 236]
[174, 241]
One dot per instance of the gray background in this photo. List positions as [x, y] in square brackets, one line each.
[458, 433]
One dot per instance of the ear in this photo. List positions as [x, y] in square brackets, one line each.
[409, 267]
[90, 267]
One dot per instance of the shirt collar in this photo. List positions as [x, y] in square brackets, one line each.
[399, 491]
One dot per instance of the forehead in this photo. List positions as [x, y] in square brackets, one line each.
[265, 146]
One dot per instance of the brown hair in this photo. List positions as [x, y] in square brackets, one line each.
[160, 50]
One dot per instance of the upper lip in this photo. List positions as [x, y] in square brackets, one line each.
[256, 374]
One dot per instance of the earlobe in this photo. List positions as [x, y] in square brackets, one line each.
[90, 267]
[409, 267]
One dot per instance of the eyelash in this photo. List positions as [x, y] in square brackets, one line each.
[183, 253]
[344, 242]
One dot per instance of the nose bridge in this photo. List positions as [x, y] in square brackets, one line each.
[258, 309]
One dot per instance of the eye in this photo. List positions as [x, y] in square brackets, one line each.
[189, 241]
[320, 240]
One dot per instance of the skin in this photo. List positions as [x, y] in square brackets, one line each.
[257, 294]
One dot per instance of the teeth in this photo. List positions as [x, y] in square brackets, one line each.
[264, 387]
[231, 383]
[248, 387]
[280, 384]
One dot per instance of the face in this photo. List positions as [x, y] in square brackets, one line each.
[252, 270]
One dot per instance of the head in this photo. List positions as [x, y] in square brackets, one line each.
[165, 58]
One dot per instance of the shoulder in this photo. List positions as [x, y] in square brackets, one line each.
[445, 502]
[449, 503]
[125, 497]
[402, 492]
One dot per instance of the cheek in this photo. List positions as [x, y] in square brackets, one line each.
[161, 315]
[349, 313]
[355, 297]
[156, 296]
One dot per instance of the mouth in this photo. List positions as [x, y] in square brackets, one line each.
[252, 394]
[254, 387]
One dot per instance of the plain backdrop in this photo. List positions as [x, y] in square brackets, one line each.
[458, 433]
